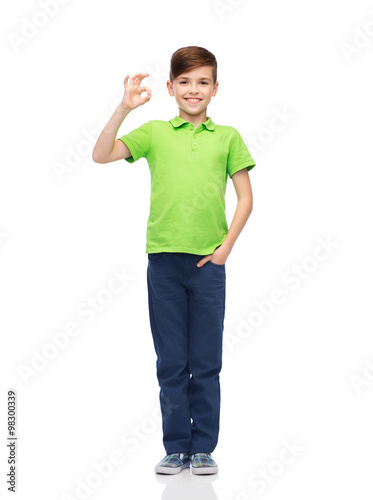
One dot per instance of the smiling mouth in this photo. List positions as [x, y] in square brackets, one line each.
[193, 100]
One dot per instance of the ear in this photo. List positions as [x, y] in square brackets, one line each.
[215, 89]
[170, 88]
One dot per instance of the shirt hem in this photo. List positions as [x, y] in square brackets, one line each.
[134, 156]
[249, 166]
[195, 251]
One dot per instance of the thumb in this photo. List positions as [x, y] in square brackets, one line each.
[202, 262]
[147, 97]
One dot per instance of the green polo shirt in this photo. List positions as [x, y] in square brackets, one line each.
[189, 169]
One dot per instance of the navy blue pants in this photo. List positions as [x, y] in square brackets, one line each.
[186, 312]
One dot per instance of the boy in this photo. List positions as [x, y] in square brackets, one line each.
[188, 243]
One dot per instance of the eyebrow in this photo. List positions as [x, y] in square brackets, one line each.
[186, 78]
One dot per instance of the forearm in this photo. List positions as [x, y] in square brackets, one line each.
[105, 142]
[241, 215]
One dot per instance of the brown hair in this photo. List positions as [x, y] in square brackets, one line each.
[191, 57]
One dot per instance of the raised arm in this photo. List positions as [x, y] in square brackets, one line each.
[107, 149]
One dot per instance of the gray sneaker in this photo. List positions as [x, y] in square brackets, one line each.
[173, 463]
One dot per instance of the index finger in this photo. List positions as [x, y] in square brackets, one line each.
[139, 77]
[133, 78]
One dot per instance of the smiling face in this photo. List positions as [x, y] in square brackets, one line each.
[193, 91]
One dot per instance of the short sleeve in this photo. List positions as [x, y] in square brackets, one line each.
[138, 141]
[239, 156]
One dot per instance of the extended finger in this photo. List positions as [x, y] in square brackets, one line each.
[141, 77]
[134, 78]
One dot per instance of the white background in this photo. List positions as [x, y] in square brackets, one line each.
[303, 374]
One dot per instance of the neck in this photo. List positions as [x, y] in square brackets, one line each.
[194, 119]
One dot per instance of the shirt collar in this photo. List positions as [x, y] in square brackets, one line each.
[178, 121]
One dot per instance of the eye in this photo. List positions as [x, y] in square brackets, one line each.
[206, 83]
